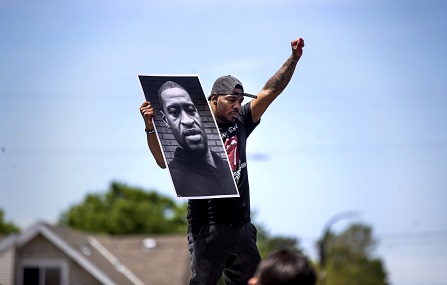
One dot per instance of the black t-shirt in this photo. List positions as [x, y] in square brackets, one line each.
[229, 210]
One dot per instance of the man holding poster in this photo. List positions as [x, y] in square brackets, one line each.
[221, 237]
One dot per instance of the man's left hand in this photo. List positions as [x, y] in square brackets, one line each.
[297, 48]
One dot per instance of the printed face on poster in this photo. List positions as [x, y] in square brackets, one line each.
[189, 137]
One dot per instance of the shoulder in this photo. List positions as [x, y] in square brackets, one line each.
[217, 157]
[246, 115]
[245, 112]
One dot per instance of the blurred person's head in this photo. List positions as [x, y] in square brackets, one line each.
[182, 117]
[284, 267]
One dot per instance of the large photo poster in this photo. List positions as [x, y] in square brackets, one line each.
[189, 137]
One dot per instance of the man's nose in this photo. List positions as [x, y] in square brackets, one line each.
[237, 105]
[186, 119]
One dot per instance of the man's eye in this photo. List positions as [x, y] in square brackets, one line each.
[191, 110]
[173, 112]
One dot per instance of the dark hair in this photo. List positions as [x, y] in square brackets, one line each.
[168, 85]
[286, 267]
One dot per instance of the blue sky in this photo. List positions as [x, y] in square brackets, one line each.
[361, 126]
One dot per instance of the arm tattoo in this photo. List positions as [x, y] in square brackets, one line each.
[278, 82]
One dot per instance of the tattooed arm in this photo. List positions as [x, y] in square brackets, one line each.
[277, 83]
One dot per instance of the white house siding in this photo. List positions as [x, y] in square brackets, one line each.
[7, 266]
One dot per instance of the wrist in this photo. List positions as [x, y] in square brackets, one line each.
[149, 131]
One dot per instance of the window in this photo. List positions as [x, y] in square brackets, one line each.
[43, 272]
[41, 276]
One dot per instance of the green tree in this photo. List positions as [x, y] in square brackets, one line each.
[349, 259]
[7, 227]
[126, 210]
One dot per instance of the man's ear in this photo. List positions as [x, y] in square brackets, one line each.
[253, 281]
[214, 98]
[164, 119]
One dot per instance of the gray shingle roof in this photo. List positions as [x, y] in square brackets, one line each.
[123, 259]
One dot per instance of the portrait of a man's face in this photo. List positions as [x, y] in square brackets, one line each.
[189, 137]
[182, 117]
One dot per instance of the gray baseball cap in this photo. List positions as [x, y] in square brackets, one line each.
[225, 85]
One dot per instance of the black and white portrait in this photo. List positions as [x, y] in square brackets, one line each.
[189, 137]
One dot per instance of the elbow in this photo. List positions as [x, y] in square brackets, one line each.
[161, 164]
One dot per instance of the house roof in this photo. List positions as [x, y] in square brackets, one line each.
[133, 260]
